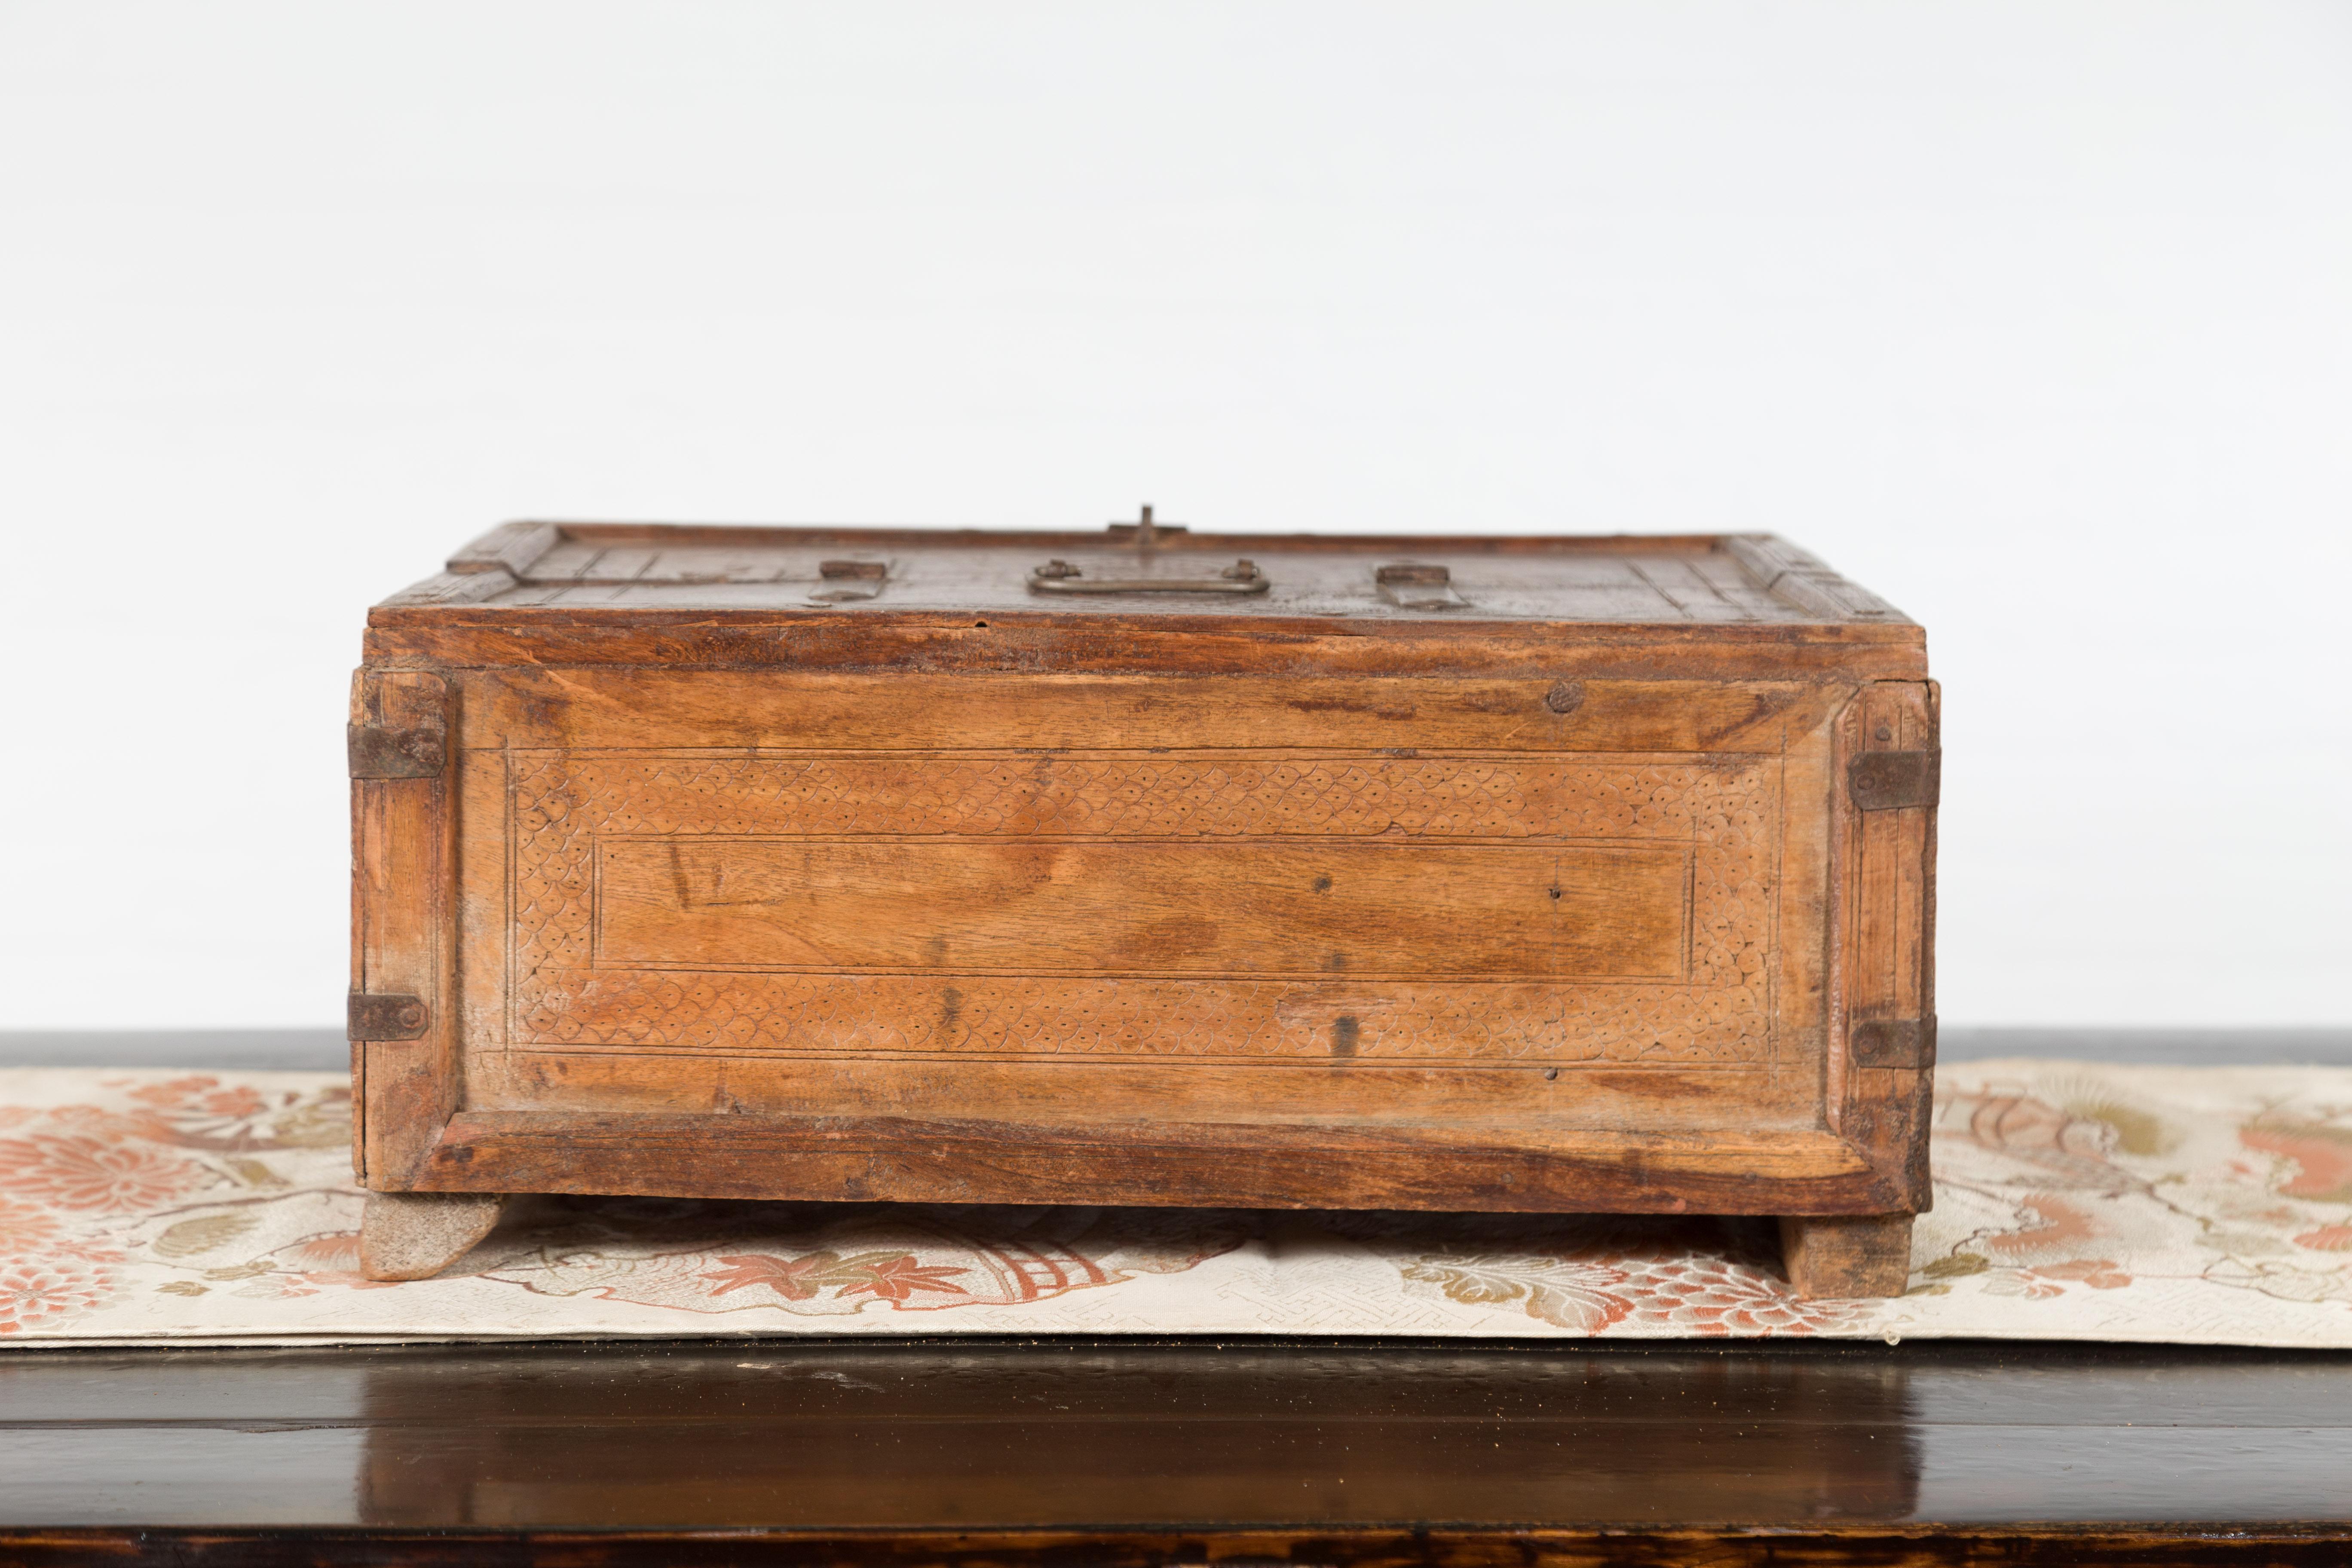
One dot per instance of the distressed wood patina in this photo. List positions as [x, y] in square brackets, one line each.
[1151, 866]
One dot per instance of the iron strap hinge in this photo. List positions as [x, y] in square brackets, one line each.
[378, 751]
[1895, 1042]
[387, 1015]
[1895, 781]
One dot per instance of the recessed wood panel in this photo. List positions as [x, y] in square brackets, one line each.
[1336, 1089]
[1254, 907]
[795, 711]
[1143, 905]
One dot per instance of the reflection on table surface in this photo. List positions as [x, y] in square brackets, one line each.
[975, 1434]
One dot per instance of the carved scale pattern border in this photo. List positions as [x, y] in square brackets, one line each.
[561, 801]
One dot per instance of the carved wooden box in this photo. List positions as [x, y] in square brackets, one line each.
[1146, 867]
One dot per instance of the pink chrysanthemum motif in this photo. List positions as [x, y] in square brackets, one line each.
[79, 1172]
[1702, 1295]
[38, 1293]
[26, 1229]
[240, 1102]
[173, 1092]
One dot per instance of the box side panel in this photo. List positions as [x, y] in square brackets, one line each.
[1510, 909]
[404, 1013]
[1880, 1082]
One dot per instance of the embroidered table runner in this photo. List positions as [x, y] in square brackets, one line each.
[2207, 1205]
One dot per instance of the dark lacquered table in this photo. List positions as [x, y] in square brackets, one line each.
[1136, 1451]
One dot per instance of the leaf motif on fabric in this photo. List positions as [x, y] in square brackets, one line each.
[886, 1276]
[795, 1278]
[2328, 1239]
[1477, 1287]
[323, 1124]
[2022, 1283]
[2099, 1273]
[896, 1276]
[334, 1251]
[2053, 1228]
[207, 1233]
[1567, 1292]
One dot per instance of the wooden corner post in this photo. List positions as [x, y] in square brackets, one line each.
[1882, 1011]
[403, 947]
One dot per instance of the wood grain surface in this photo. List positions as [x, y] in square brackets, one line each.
[1030, 642]
[1142, 906]
[1146, 1160]
[1882, 926]
[404, 935]
[528, 708]
[1320, 1088]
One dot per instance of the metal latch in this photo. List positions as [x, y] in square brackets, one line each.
[381, 752]
[1895, 781]
[386, 1015]
[1411, 585]
[1144, 532]
[1061, 577]
[846, 581]
[1895, 1043]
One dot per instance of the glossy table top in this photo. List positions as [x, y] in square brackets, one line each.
[860, 1436]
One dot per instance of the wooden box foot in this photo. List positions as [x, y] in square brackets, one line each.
[415, 1236]
[1867, 1254]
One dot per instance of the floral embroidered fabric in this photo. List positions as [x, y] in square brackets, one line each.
[2198, 1206]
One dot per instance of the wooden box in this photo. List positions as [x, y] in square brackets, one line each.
[1145, 867]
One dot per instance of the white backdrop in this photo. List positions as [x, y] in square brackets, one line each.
[2035, 316]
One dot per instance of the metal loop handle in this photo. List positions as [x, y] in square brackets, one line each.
[1061, 577]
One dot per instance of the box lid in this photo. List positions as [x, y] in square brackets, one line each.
[1145, 595]
[1150, 569]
